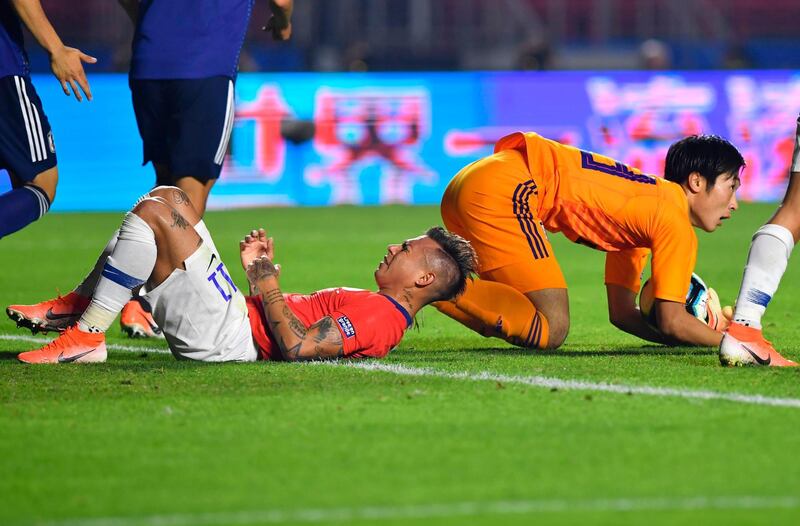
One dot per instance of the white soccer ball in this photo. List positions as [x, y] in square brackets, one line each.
[698, 300]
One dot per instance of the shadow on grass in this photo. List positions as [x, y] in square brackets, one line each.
[450, 354]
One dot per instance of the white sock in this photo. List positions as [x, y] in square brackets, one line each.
[87, 286]
[769, 255]
[127, 267]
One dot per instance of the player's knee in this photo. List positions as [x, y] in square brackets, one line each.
[152, 210]
[163, 191]
[542, 332]
[47, 182]
[178, 199]
[788, 216]
[558, 333]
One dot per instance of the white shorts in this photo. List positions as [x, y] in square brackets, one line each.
[202, 313]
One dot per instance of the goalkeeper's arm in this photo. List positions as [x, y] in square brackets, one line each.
[626, 316]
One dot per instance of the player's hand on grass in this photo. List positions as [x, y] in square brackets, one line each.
[67, 66]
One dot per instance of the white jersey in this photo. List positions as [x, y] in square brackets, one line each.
[202, 313]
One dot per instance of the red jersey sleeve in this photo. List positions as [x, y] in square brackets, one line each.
[370, 325]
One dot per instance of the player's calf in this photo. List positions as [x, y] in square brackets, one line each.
[21, 207]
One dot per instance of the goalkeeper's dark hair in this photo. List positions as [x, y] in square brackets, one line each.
[708, 155]
[453, 263]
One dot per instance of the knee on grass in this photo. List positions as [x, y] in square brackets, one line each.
[540, 333]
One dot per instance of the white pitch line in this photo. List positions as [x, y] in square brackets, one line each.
[577, 385]
[534, 381]
[109, 346]
[440, 510]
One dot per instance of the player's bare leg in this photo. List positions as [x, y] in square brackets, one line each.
[553, 305]
[197, 191]
[788, 213]
[136, 319]
[174, 235]
[770, 250]
[47, 181]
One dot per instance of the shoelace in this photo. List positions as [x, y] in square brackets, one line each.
[63, 339]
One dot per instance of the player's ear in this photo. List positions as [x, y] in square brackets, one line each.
[425, 279]
[696, 182]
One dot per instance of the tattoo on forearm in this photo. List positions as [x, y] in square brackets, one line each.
[296, 325]
[292, 352]
[178, 220]
[272, 296]
[327, 339]
[261, 268]
[271, 300]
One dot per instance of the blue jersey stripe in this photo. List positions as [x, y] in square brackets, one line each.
[121, 278]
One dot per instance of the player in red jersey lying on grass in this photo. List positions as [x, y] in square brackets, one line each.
[205, 317]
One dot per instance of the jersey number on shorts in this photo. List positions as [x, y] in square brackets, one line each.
[213, 279]
[618, 169]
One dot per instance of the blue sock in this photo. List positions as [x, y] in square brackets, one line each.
[21, 207]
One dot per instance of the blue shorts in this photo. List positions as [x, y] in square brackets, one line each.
[26, 141]
[185, 124]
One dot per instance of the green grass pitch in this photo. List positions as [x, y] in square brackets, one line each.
[144, 439]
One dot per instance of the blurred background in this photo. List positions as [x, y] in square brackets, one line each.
[424, 35]
[383, 101]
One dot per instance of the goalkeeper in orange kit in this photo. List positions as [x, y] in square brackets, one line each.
[503, 204]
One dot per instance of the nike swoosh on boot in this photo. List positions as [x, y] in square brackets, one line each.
[68, 359]
[757, 358]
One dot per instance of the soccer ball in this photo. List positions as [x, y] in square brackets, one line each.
[699, 300]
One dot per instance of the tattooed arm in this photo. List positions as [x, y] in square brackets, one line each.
[320, 341]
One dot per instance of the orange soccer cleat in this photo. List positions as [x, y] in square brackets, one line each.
[742, 345]
[137, 322]
[51, 315]
[73, 345]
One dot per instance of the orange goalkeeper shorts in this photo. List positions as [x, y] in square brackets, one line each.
[493, 203]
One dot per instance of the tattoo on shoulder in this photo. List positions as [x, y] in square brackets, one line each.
[178, 220]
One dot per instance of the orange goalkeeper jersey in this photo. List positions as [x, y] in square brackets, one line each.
[597, 201]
